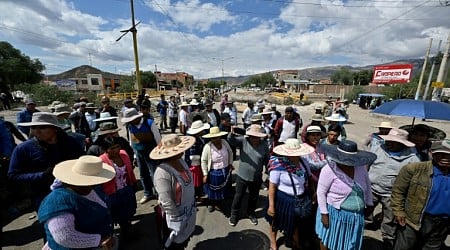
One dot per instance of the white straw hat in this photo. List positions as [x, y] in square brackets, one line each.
[336, 118]
[398, 135]
[104, 116]
[88, 170]
[197, 127]
[41, 119]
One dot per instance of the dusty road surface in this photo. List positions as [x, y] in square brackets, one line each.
[22, 231]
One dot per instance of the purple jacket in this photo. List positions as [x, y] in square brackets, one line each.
[334, 186]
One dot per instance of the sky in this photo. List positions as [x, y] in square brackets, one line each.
[233, 37]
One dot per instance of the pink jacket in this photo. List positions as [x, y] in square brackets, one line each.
[110, 186]
[334, 186]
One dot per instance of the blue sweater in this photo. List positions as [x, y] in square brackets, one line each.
[31, 158]
[90, 217]
[6, 144]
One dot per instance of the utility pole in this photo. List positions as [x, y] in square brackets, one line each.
[430, 76]
[419, 86]
[437, 91]
[136, 57]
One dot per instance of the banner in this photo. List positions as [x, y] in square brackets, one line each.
[392, 74]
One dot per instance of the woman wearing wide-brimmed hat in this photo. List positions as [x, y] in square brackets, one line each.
[422, 136]
[288, 180]
[193, 155]
[343, 195]
[74, 214]
[174, 184]
[216, 161]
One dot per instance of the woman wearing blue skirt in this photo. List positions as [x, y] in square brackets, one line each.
[216, 163]
[288, 178]
[343, 195]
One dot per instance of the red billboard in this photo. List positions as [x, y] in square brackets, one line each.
[392, 74]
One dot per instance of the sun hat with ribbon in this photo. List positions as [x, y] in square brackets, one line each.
[293, 147]
[107, 128]
[215, 132]
[104, 116]
[197, 127]
[172, 145]
[130, 115]
[88, 170]
[313, 129]
[384, 125]
[398, 135]
[336, 118]
[42, 119]
[256, 131]
[347, 153]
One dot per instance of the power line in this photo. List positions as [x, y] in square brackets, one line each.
[383, 24]
[347, 5]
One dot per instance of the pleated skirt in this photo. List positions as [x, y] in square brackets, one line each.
[218, 186]
[345, 231]
[284, 219]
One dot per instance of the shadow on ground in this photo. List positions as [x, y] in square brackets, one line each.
[246, 239]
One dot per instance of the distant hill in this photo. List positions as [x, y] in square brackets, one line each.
[309, 73]
[80, 72]
[324, 72]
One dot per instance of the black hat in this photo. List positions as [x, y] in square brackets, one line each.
[224, 116]
[347, 153]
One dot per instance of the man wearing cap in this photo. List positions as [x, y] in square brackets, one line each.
[32, 161]
[420, 201]
[395, 153]
[247, 114]
[146, 101]
[144, 137]
[106, 107]
[183, 117]
[25, 116]
[286, 127]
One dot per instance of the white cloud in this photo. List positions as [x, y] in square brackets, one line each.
[192, 13]
[60, 34]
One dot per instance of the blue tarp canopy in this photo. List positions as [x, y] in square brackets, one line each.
[372, 95]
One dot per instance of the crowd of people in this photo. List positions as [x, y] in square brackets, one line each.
[322, 188]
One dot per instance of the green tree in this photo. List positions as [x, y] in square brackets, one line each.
[213, 84]
[148, 79]
[16, 68]
[126, 87]
[353, 95]
[261, 81]
[44, 94]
